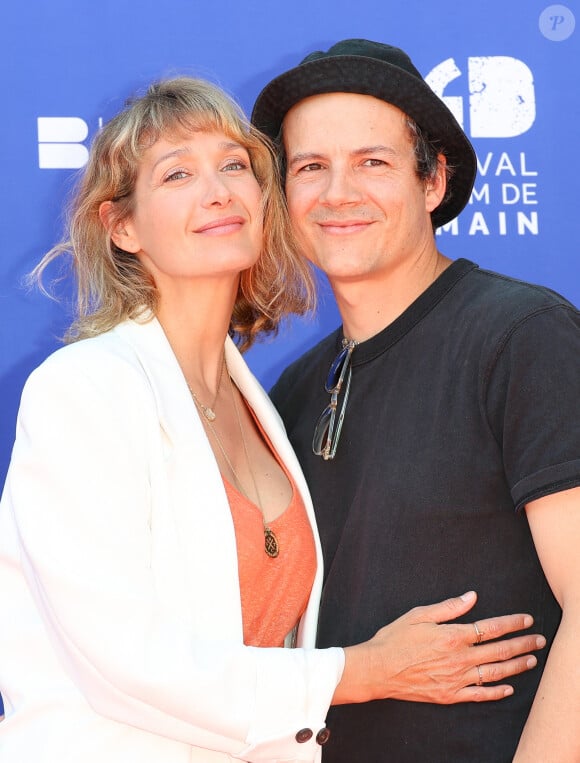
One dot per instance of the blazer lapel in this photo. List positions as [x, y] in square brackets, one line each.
[191, 504]
[274, 428]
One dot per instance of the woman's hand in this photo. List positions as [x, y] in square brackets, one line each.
[417, 658]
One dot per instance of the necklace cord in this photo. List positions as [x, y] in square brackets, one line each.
[207, 410]
[271, 546]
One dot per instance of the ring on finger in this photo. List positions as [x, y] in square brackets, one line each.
[479, 681]
[478, 634]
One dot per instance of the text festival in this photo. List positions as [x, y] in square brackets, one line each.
[502, 180]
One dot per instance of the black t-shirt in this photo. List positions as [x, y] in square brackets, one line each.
[460, 412]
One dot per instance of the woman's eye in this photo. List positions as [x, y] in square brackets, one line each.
[175, 175]
[235, 165]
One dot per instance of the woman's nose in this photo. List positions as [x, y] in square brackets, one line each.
[216, 191]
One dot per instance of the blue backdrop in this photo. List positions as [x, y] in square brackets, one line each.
[508, 70]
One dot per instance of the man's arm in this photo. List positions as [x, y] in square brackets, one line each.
[551, 733]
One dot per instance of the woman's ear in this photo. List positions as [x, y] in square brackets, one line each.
[436, 186]
[121, 232]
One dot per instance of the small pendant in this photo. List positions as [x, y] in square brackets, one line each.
[270, 543]
[207, 412]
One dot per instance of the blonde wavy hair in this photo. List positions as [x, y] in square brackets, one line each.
[112, 285]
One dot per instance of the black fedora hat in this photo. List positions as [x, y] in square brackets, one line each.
[385, 72]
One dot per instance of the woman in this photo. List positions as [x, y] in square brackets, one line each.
[157, 545]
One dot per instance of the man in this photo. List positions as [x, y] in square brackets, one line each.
[457, 462]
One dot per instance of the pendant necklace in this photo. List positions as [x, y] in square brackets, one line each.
[270, 540]
[209, 411]
[271, 546]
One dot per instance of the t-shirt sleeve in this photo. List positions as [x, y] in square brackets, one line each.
[532, 403]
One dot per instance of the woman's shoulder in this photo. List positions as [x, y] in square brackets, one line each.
[89, 353]
[100, 361]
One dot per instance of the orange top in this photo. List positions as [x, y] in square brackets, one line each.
[274, 591]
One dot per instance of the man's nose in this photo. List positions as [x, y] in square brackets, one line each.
[341, 188]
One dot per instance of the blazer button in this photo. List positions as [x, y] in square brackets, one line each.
[304, 735]
[323, 736]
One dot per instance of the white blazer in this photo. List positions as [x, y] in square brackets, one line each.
[120, 619]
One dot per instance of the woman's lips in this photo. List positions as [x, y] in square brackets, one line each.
[222, 226]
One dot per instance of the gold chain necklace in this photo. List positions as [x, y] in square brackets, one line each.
[271, 546]
[209, 411]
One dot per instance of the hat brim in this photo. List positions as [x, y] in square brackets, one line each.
[369, 76]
